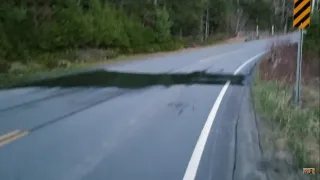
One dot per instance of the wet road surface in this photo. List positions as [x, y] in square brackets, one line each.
[181, 131]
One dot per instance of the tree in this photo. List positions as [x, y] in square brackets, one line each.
[127, 25]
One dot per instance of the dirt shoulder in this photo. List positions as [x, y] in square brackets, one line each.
[289, 136]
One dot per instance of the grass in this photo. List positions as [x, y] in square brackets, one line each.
[29, 71]
[299, 126]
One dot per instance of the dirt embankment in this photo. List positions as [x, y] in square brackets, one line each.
[280, 65]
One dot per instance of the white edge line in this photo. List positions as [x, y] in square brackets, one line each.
[194, 162]
[247, 62]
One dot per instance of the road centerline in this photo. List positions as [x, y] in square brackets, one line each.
[12, 136]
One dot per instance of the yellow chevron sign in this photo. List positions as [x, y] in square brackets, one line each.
[301, 12]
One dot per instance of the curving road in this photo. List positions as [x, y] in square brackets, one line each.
[157, 133]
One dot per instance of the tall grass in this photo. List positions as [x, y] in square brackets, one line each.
[300, 126]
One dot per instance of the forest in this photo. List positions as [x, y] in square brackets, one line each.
[33, 30]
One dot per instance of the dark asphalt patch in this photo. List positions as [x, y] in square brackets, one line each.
[103, 78]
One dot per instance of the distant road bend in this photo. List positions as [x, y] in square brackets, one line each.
[151, 126]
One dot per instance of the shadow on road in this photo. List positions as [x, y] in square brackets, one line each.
[103, 78]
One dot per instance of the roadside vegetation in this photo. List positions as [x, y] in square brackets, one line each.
[296, 130]
[42, 35]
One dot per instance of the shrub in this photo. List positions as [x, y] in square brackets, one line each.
[313, 35]
[27, 30]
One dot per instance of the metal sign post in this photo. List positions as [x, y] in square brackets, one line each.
[301, 20]
[299, 67]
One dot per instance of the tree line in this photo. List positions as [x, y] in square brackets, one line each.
[32, 27]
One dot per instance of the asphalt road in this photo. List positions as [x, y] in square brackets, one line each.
[155, 133]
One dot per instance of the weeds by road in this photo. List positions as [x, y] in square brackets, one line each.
[294, 132]
[23, 72]
[299, 127]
